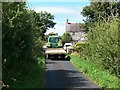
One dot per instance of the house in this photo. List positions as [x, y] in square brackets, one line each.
[76, 31]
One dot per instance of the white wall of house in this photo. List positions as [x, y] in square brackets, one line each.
[77, 36]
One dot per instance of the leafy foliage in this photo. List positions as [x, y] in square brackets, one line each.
[43, 21]
[79, 47]
[66, 38]
[102, 24]
[100, 11]
[22, 40]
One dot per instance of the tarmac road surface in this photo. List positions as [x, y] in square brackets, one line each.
[63, 75]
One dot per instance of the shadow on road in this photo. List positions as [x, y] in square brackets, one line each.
[67, 79]
[67, 58]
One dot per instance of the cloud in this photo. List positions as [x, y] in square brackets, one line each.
[60, 29]
[59, 0]
[54, 10]
[58, 10]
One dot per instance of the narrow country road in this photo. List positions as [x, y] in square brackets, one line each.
[62, 74]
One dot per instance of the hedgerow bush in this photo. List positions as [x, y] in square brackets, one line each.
[103, 46]
[23, 32]
[79, 47]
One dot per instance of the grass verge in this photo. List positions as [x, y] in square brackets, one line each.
[100, 76]
[31, 77]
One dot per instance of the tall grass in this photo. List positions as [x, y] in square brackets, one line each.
[95, 72]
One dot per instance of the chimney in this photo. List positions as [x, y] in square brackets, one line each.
[67, 21]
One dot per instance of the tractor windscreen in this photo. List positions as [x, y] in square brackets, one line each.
[54, 39]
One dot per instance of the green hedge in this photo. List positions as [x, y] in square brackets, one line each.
[80, 46]
[103, 46]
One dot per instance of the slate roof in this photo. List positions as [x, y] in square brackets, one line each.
[73, 27]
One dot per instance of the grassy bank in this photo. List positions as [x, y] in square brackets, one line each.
[30, 77]
[97, 74]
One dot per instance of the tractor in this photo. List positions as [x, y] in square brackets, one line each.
[54, 48]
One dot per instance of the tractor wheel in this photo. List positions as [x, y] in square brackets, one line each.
[47, 56]
[63, 56]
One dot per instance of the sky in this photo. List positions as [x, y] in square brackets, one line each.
[62, 11]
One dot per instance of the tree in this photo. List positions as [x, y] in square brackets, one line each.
[17, 39]
[66, 38]
[43, 21]
[101, 11]
[102, 24]
[22, 38]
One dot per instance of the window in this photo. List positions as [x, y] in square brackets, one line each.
[54, 39]
[73, 33]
